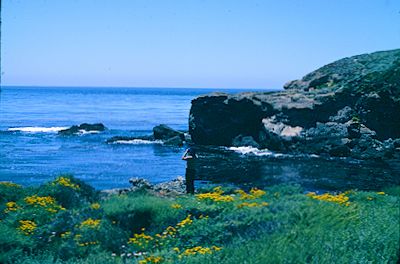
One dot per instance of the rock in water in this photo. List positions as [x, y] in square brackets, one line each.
[174, 141]
[82, 129]
[247, 141]
[350, 107]
[168, 135]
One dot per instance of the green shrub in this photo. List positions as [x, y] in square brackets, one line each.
[10, 192]
[140, 210]
[69, 191]
[12, 243]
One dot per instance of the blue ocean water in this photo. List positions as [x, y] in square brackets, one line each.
[31, 152]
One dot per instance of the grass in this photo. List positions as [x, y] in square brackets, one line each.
[67, 221]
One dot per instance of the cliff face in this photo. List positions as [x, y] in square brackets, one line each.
[350, 107]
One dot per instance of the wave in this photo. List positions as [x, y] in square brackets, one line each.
[137, 141]
[84, 132]
[265, 152]
[37, 129]
[251, 150]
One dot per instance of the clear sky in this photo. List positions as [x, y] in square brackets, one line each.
[187, 43]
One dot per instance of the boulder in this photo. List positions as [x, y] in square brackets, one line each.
[176, 186]
[164, 132]
[174, 141]
[245, 141]
[139, 184]
[82, 129]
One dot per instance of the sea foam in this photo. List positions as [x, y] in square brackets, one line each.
[37, 129]
[252, 151]
[137, 141]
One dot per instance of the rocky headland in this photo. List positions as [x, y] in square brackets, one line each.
[348, 108]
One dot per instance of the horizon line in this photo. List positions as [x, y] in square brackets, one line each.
[140, 87]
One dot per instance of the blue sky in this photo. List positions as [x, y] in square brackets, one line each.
[188, 43]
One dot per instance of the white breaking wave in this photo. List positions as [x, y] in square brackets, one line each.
[138, 141]
[37, 129]
[83, 132]
[252, 150]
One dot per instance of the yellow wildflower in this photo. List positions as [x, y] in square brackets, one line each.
[95, 206]
[27, 226]
[381, 193]
[48, 202]
[216, 248]
[151, 259]
[215, 196]
[197, 250]
[66, 182]
[253, 194]
[66, 234]
[245, 204]
[176, 206]
[340, 198]
[257, 193]
[184, 222]
[140, 239]
[11, 206]
[90, 223]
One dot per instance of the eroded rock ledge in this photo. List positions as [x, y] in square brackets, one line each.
[348, 108]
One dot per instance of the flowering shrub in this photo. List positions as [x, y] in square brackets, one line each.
[47, 202]
[90, 223]
[11, 206]
[215, 196]
[27, 226]
[151, 259]
[340, 198]
[66, 182]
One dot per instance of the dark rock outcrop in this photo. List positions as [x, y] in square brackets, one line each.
[167, 135]
[350, 107]
[164, 132]
[83, 128]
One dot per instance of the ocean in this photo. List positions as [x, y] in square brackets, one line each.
[31, 152]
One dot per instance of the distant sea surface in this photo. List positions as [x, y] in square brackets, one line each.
[31, 152]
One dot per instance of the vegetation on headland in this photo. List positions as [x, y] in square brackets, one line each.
[67, 221]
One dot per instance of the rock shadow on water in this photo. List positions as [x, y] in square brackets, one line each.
[219, 165]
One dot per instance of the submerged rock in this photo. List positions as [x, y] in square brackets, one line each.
[83, 128]
[350, 107]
